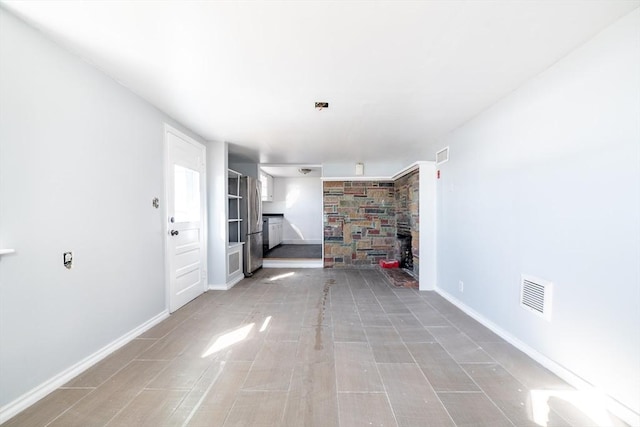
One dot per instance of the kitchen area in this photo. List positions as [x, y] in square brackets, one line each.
[274, 218]
[291, 215]
[272, 225]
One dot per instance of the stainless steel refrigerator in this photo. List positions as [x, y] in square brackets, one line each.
[251, 225]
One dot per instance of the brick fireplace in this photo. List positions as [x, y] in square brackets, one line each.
[407, 194]
[364, 219]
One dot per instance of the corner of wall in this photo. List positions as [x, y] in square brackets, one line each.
[428, 273]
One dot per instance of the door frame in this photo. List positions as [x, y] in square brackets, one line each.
[320, 207]
[165, 221]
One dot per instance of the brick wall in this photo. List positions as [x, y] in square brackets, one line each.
[359, 222]
[407, 192]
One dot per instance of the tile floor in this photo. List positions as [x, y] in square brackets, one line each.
[314, 348]
[295, 251]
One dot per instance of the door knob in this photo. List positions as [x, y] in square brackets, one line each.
[174, 232]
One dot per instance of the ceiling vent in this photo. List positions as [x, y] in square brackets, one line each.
[442, 156]
[535, 296]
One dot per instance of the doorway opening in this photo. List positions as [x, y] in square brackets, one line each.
[292, 215]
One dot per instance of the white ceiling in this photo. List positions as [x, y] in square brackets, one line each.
[397, 75]
[292, 171]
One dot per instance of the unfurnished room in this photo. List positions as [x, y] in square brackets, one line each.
[320, 213]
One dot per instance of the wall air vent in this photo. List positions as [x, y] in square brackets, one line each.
[234, 262]
[535, 296]
[442, 156]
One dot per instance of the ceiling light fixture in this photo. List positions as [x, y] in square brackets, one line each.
[304, 171]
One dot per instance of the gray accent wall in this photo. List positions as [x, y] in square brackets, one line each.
[547, 183]
[81, 159]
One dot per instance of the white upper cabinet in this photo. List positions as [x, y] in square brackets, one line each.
[266, 181]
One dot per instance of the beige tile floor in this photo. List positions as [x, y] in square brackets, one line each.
[315, 348]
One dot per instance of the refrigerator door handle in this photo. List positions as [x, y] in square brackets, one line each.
[257, 203]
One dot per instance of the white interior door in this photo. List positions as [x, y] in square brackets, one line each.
[186, 207]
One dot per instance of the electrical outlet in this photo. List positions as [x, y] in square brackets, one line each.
[461, 286]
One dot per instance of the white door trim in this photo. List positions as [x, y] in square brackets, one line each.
[165, 227]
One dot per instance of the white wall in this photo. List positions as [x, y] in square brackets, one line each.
[547, 182]
[427, 214]
[371, 169]
[300, 200]
[81, 159]
[217, 207]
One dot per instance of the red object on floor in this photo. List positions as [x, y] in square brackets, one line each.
[392, 263]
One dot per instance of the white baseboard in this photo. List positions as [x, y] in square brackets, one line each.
[618, 409]
[302, 242]
[293, 263]
[225, 287]
[32, 396]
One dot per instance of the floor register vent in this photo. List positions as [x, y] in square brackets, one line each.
[535, 296]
